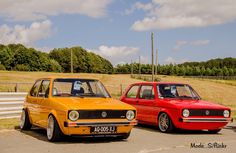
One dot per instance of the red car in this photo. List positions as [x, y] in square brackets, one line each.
[175, 105]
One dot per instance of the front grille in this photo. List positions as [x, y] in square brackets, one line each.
[205, 112]
[101, 114]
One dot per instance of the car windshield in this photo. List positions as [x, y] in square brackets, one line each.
[178, 91]
[79, 88]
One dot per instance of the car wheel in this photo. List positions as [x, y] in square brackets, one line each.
[165, 123]
[24, 120]
[214, 131]
[53, 130]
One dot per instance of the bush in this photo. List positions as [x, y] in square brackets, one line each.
[2, 67]
[21, 67]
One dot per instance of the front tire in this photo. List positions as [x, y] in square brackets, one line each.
[164, 123]
[53, 130]
[24, 120]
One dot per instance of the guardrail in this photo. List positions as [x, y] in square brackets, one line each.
[11, 104]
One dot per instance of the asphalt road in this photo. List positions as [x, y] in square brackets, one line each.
[144, 139]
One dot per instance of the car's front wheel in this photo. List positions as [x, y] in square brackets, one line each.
[24, 120]
[53, 130]
[164, 123]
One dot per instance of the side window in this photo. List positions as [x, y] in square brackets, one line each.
[146, 92]
[132, 92]
[34, 89]
[44, 89]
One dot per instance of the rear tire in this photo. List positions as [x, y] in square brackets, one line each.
[164, 123]
[24, 120]
[53, 130]
[214, 131]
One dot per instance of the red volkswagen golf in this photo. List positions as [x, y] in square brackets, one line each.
[175, 105]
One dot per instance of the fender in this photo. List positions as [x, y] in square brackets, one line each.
[59, 122]
[171, 113]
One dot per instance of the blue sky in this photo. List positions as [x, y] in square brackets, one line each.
[119, 30]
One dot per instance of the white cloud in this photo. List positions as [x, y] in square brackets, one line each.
[168, 14]
[181, 43]
[32, 10]
[25, 35]
[171, 60]
[116, 53]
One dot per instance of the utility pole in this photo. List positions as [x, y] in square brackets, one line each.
[71, 61]
[139, 65]
[132, 68]
[152, 57]
[156, 61]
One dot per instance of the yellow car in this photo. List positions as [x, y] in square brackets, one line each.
[74, 106]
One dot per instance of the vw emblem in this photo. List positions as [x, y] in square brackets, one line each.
[104, 114]
[207, 112]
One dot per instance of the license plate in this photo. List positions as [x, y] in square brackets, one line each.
[103, 129]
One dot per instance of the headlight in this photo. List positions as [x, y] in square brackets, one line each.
[130, 115]
[185, 113]
[226, 113]
[73, 115]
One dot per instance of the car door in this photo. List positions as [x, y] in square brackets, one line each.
[43, 102]
[31, 100]
[146, 104]
[131, 97]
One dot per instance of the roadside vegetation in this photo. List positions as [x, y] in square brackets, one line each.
[17, 57]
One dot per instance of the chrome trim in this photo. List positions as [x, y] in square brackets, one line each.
[206, 119]
[101, 123]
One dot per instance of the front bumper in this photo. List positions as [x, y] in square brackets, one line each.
[206, 120]
[83, 128]
[79, 124]
[202, 123]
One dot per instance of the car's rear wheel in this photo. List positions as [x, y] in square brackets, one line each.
[164, 123]
[214, 131]
[53, 130]
[24, 120]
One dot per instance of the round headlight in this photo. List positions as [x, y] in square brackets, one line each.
[226, 113]
[186, 113]
[73, 115]
[130, 115]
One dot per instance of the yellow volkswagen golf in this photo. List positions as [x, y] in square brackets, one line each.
[74, 106]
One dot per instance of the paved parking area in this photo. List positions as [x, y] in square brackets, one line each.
[144, 139]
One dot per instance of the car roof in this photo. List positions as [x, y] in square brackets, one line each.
[65, 77]
[157, 83]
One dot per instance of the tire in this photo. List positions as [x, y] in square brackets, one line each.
[214, 131]
[24, 120]
[164, 123]
[125, 136]
[53, 130]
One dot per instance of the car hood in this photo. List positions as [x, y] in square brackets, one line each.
[74, 103]
[195, 104]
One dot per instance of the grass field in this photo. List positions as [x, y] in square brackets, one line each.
[220, 92]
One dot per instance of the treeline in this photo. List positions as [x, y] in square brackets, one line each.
[18, 57]
[214, 67]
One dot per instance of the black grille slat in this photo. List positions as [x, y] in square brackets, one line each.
[97, 114]
[202, 112]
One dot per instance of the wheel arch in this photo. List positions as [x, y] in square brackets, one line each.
[168, 113]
